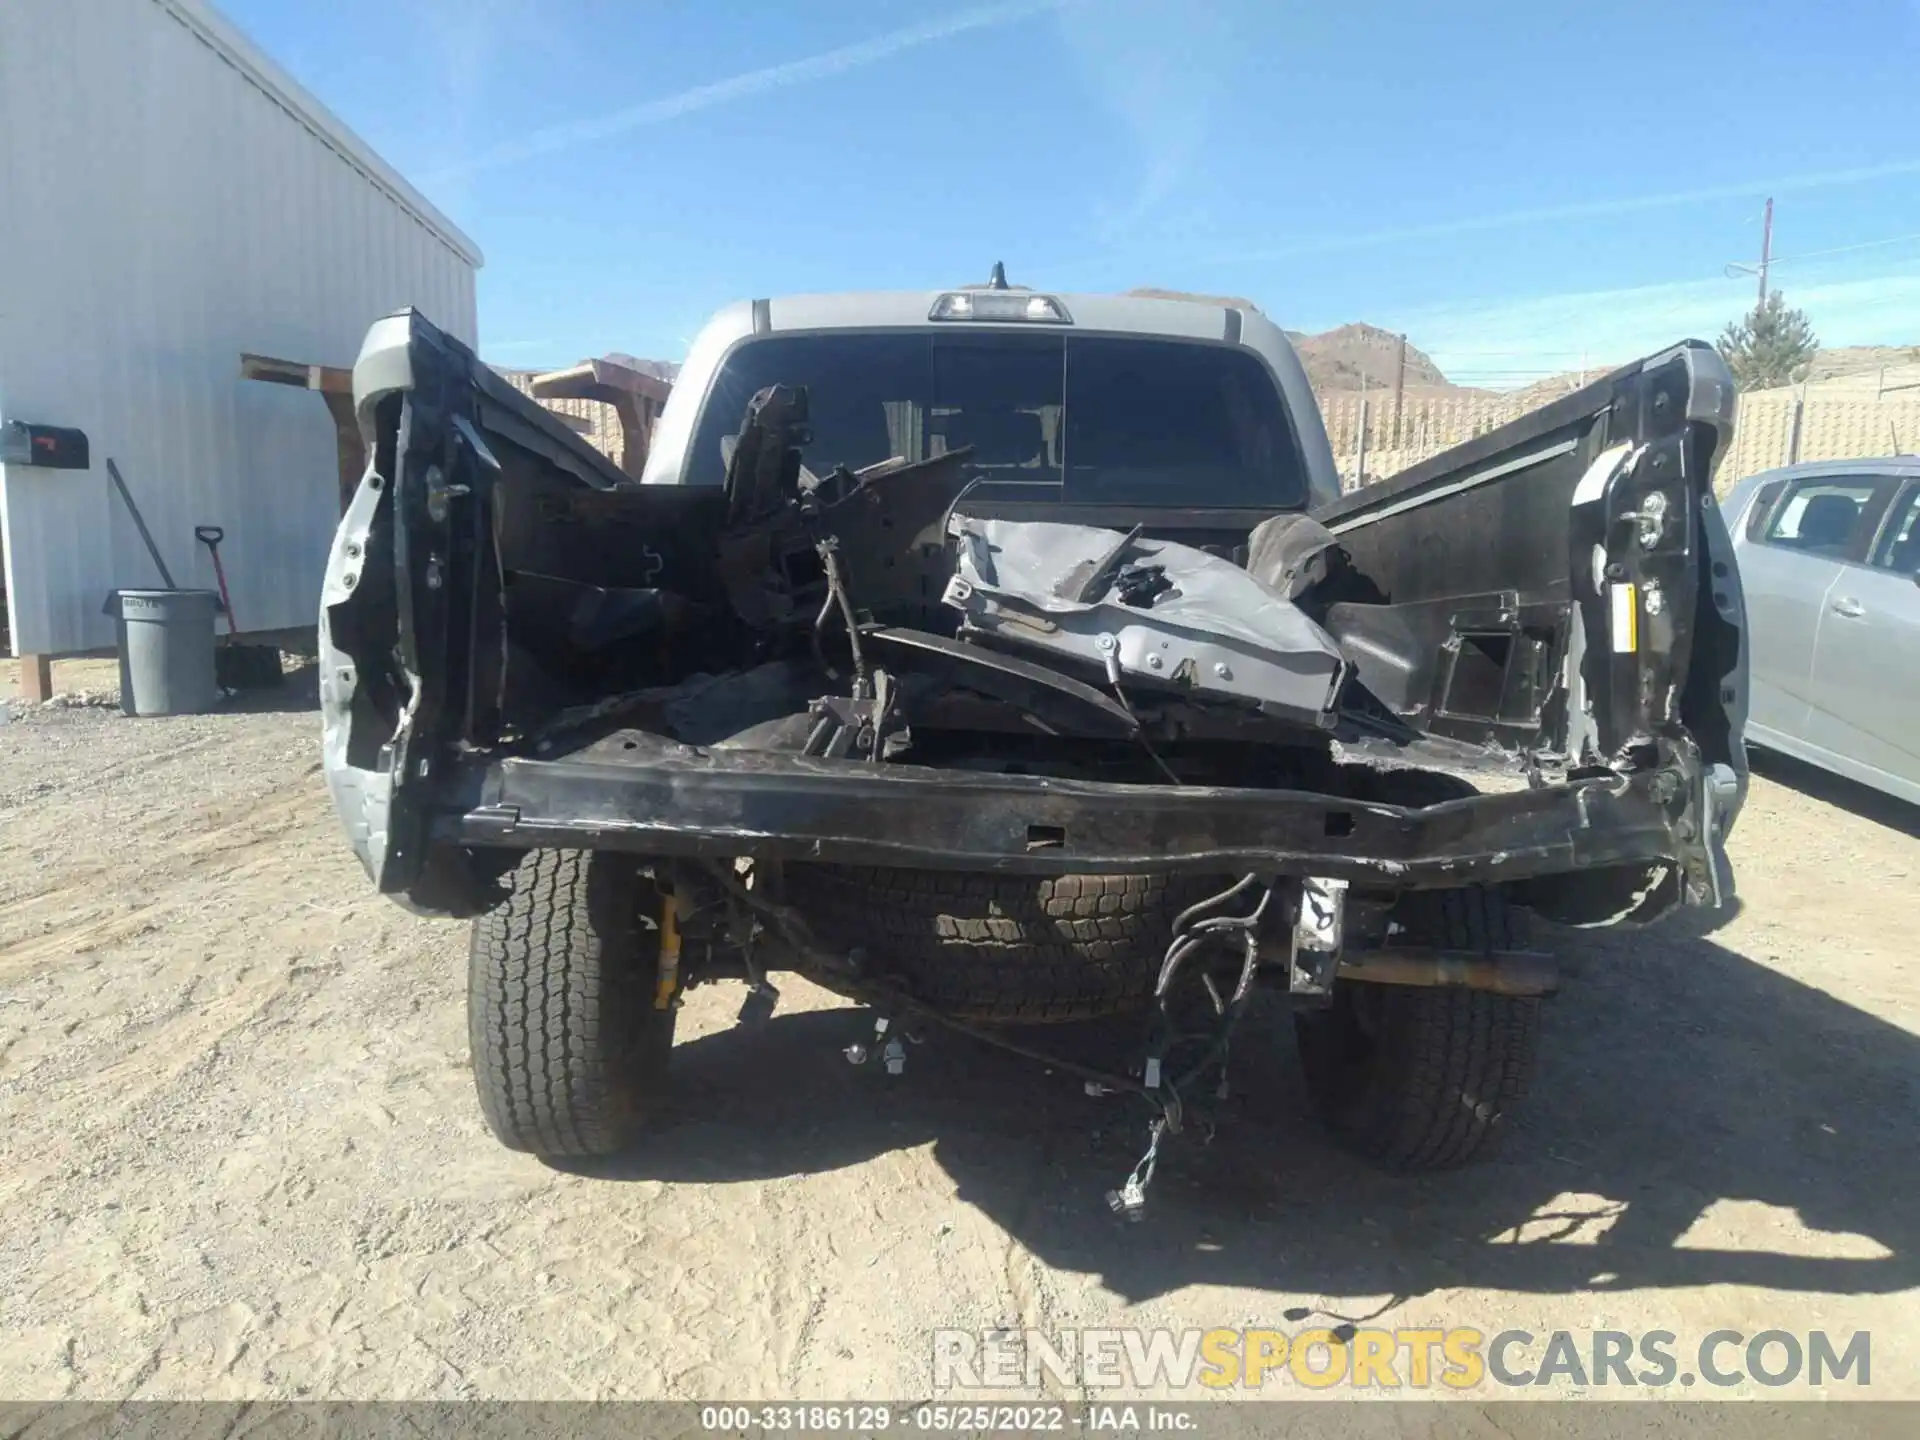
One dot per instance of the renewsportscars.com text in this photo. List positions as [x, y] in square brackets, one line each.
[1461, 1358]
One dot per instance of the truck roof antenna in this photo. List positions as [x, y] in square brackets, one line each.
[998, 280]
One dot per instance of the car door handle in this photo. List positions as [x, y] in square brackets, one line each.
[1852, 609]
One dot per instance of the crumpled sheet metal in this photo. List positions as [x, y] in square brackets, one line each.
[1290, 553]
[1217, 632]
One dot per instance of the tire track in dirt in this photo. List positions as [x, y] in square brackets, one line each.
[187, 841]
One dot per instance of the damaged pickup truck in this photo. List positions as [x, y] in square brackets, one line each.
[996, 658]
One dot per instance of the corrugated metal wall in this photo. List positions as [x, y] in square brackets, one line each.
[162, 210]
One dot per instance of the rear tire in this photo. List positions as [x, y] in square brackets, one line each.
[569, 1052]
[1424, 1078]
[1014, 948]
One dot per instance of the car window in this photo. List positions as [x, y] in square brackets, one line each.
[1826, 516]
[1151, 423]
[1762, 507]
[1899, 546]
[1003, 396]
[1088, 419]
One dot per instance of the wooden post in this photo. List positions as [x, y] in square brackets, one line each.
[1399, 389]
[636, 398]
[1360, 445]
[350, 450]
[334, 384]
[36, 679]
[635, 432]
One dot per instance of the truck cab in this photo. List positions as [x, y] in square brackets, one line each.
[1094, 401]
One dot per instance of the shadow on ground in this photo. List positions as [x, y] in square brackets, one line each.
[297, 693]
[1674, 1074]
[1836, 790]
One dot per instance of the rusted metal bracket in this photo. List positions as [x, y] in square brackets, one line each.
[1501, 972]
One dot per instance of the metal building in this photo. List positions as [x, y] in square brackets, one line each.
[169, 200]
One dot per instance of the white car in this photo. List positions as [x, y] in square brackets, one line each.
[1830, 562]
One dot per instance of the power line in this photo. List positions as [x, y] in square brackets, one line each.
[1737, 268]
[1845, 249]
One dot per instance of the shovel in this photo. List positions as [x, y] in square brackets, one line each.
[236, 666]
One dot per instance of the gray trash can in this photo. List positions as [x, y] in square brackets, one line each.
[166, 650]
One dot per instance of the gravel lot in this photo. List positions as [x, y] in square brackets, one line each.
[240, 1154]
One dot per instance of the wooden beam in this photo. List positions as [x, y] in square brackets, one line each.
[36, 679]
[328, 379]
[334, 385]
[593, 379]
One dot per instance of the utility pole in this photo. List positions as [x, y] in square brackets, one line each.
[1738, 268]
[1766, 248]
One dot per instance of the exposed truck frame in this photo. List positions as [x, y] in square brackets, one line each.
[1533, 645]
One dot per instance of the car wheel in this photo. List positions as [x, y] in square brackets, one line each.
[569, 1046]
[1424, 1077]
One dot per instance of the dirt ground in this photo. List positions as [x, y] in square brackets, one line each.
[240, 1154]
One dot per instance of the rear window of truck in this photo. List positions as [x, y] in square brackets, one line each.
[1080, 419]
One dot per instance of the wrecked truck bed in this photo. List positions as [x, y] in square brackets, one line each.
[1599, 685]
[974, 759]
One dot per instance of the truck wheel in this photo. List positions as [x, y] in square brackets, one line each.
[1422, 1078]
[569, 1051]
[1016, 948]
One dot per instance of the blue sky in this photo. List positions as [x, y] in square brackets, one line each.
[1516, 183]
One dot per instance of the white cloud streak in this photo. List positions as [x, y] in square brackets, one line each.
[1153, 65]
[1578, 210]
[824, 66]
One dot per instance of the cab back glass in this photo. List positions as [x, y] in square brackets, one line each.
[1079, 419]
